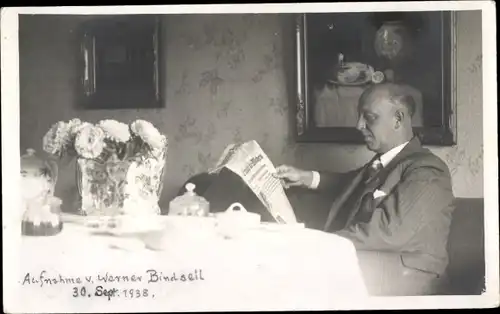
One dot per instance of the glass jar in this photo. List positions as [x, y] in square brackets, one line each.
[41, 215]
[43, 219]
[189, 204]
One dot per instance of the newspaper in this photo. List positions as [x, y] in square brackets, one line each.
[249, 161]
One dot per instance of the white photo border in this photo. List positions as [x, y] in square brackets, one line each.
[13, 301]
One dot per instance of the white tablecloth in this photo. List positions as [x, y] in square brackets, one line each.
[259, 270]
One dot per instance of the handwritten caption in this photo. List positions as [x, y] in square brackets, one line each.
[112, 286]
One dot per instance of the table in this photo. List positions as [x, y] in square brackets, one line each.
[258, 270]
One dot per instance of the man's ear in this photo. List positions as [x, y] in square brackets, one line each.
[399, 115]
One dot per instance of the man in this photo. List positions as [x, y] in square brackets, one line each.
[397, 208]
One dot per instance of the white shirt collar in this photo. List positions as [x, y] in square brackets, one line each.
[386, 158]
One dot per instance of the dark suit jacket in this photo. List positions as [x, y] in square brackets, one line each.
[413, 218]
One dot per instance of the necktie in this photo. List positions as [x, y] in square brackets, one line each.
[357, 198]
[366, 205]
[373, 169]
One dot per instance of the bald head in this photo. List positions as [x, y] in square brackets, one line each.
[385, 112]
[397, 95]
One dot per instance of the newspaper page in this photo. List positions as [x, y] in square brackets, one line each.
[249, 161]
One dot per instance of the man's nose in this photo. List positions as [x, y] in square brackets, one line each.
[361, 124]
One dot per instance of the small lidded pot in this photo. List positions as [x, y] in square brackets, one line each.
[41, 209]
[189, 204]
[232, 223]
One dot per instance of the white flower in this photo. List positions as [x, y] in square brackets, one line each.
[116, 131]
[148, 133]
[163, 148]
[89, 142]
[75, 125]
[57, 138]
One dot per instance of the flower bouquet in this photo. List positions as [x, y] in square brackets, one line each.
[119, 168]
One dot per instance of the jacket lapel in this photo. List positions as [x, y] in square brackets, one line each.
[339, 202]
[413, 146]
[391, 174]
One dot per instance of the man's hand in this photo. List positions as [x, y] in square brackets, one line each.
[291, 176]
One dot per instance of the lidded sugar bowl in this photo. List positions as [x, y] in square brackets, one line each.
[41, 209]
[189, 204]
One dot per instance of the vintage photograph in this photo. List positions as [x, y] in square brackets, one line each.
[168, 159]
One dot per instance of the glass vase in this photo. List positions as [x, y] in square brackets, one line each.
[101, 186]
[120, 187]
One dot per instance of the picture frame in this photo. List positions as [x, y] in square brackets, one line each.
[120, 57]
[326, 109]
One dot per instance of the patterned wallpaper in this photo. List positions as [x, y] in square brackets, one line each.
[227, 79]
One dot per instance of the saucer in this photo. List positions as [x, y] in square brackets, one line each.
[352, 74]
